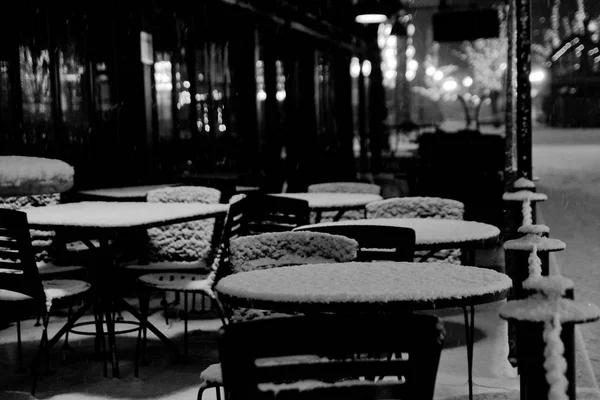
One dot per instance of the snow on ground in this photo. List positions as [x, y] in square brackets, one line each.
[567, 161]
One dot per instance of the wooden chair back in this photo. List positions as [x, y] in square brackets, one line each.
[320, 362]
[267, 213]
[375, 242]
[18, 269]
[232, 227]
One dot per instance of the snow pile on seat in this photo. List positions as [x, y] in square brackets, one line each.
[287, 248]
[416, 207]
[188, 241]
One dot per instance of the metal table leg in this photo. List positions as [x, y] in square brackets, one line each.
[470, 336]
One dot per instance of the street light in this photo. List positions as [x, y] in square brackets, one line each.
[449, 85]
[537, 76]
[369, 12]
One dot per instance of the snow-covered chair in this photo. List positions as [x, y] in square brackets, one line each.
[271, 250]
[277, 249]
[21, 283]
[311, 358]
[421, 207]
[342, 187]
[183, 247]
[187, 282]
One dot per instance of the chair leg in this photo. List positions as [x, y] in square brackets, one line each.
[66, 345]
[101, 342]
[19, 349]
[165, 307]
[140, 348]
[37, 321]
[193, 309]
[185, 324]
[110, 331]
[40, 352]
[218, 392]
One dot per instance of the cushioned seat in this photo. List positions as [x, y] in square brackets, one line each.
[53, 289]
[169, 266]
[47, 270]
[9, 295]
[180, 282]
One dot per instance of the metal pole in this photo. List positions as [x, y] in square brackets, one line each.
[523, 50]
[510, 148]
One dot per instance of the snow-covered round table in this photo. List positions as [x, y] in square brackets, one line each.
[364, 287]
[435, 234]
[340, 202]
[355, 287]
[432, 233]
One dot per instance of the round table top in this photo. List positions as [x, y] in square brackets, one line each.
[364, 286]
[431, 232]
[25, 176]
[333, 201]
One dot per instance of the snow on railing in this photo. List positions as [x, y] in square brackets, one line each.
[555, 364]
[542, 300]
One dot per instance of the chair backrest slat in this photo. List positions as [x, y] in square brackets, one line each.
[355, 390]
[266, 213]
[331, 369]
[18, 256]
[10, 254]
[253, 354]
[7, 243]
[374, 240]
[233, 224]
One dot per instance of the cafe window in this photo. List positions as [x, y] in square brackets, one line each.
[163, 83]
[72, 73]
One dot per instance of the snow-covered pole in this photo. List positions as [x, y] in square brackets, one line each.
[523, 208]
[545, 326]
[510, 155]
[531, 254]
